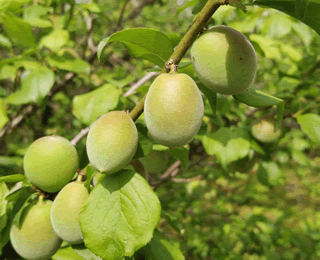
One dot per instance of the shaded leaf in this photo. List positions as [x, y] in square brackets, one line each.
[144, 144]
[257, 98]
[160, 248]
[269, 174]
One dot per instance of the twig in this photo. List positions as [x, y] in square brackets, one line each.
[143, 80]
[79, 136]
[120, 20]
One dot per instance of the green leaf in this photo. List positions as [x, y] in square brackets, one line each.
[11, 161]
[198, 7]
[269, 174]
[32, 14]
[182, 154]
[34, 88]
[210, 95]
[277, 25]
[20, 206]
[88, 107]
[5, 42]
[305, 11]
[120, 215]
[8, 72]
[12, 178]
[288, 83]
[238, 5]
[144, 144]
[3, 92]
[3, 205]
[66, 253]
[12, 5]
[69, 63]
[257, 98]
[84, 252]
[91, 7]
[19, 31]
[5, 213]
[145, 43]
[90, 173]
[3, 113]
[228, 146]
[300, 157]
[55, 40]
[160, 248]
[310, 125]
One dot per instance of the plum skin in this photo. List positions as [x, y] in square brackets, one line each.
[50, 163]
[224, 60]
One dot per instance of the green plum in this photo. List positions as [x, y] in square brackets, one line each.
[36, 239]
[66, 210]
[50, 163]
[224, 60]
[112, 142]
[263, 130]
[173, 109]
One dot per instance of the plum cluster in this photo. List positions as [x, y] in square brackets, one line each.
[225, 62]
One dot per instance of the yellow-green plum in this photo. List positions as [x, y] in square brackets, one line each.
[173, 109]
[112, 142]
[66, 210]
[156, 161]
[50, 163]
[263, 130]
[36, 239]
[224, 60]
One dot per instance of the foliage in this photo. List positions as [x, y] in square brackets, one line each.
[65, 63]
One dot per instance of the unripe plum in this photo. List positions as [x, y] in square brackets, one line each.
[66, 210]
[173, 109]
[36, 239]
[112, 142]
[224, 60]
[156, 161]
[50, 163]
[263, 130]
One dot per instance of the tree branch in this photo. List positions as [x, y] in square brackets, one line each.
[187, 40]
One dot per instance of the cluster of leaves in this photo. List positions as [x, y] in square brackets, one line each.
[214, 211]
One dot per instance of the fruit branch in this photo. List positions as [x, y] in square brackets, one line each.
[31, 109]
[200, 22]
